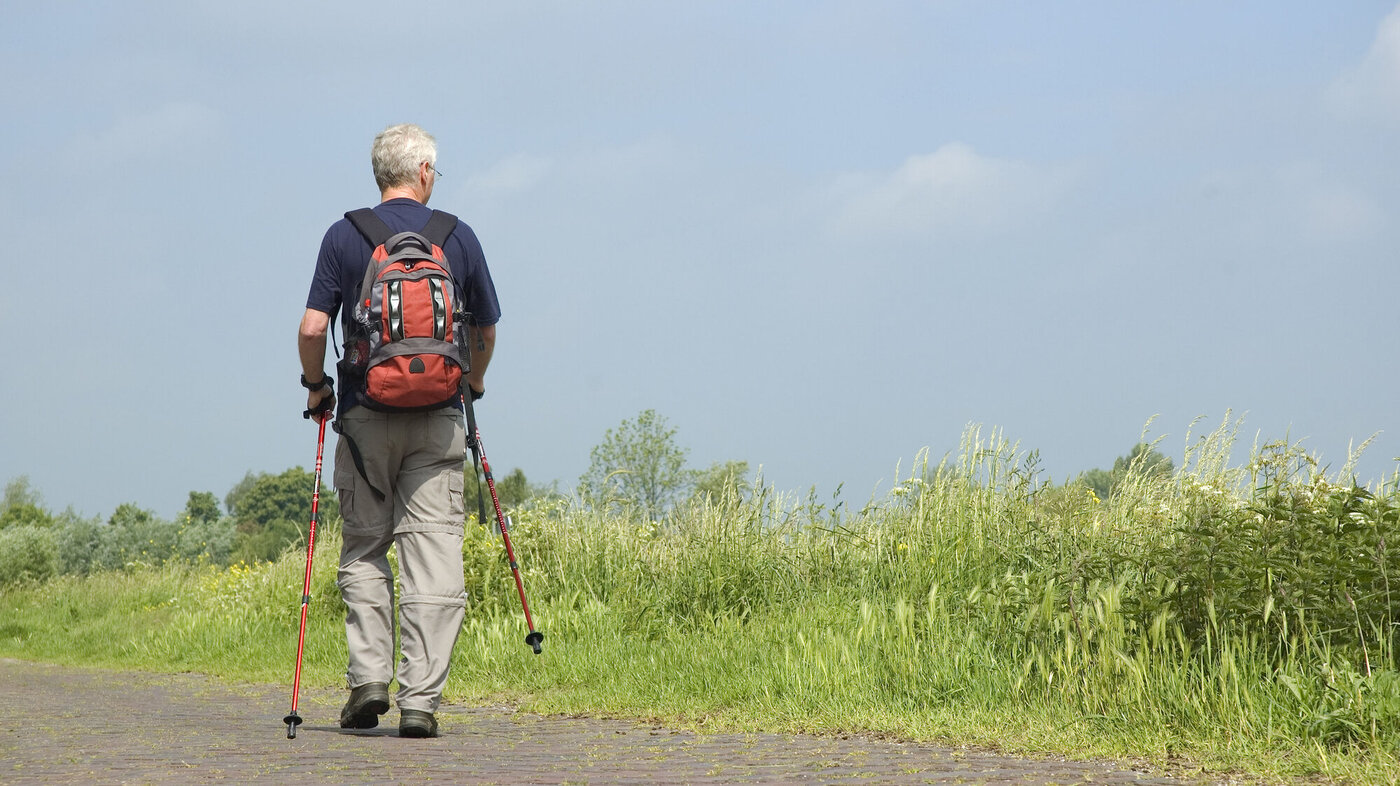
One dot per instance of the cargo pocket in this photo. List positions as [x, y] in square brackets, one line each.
[346, 477]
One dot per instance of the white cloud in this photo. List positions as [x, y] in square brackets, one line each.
[1372, 90]
[951, 189]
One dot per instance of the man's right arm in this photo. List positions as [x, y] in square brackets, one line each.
[311, 347]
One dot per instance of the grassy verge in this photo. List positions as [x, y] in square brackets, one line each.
[1238, 619]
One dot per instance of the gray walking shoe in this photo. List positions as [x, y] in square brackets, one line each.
[417, 723]
[366, 704]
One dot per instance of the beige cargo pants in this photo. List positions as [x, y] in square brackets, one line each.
[415, 460]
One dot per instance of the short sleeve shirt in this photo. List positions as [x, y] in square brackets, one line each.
[344, 256]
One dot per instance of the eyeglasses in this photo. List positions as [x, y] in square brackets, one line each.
[435, 169]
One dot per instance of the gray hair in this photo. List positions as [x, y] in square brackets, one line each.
[397, 153]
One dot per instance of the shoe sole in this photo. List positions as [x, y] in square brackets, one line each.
[368, 716]
[417, 732]
[418, 726]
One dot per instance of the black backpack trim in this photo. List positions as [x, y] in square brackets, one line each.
[372, 228]
[439, 228]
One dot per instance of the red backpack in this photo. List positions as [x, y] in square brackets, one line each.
[405, 347]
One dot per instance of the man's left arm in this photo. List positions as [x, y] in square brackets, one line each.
[481, 341]
[480, 293]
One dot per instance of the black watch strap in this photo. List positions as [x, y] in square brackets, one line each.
[326, 381]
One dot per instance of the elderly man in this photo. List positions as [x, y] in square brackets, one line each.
[398, 471]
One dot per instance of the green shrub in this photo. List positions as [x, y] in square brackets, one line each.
[1300, 561]
[79, 540]
[27, 553]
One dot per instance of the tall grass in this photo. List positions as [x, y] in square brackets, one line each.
[1234, 616]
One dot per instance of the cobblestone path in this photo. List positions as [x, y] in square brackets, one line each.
[74, 725]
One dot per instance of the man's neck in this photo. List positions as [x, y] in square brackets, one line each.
[400, 192]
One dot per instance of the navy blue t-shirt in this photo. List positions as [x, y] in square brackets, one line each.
[340, 269]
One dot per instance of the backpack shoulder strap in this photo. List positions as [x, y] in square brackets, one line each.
[439, 228]
[372, 227]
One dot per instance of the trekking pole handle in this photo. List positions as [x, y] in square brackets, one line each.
[322, 412]
[327, 403]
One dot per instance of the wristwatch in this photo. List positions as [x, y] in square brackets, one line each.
[326, 381]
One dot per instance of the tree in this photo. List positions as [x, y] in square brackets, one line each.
[202, 506]
[637, 466]
[19, 492]
[270, 512]
[263, 498]
[512, 491]
[721, 480]
[203, 532]
[235, 494]
[1099, 481]
[1143, 459]
[22, 506]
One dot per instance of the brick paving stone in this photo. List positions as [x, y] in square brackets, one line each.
[79, 725]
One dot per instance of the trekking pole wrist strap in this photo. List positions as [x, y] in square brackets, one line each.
[325, 382]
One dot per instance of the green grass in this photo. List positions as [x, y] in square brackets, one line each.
[1235, 619]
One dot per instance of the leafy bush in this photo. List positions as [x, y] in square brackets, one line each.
[79, 541]
[27, 553]
[1300, 561]
[133, 535]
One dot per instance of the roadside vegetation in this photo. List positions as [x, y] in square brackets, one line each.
[1236, 618]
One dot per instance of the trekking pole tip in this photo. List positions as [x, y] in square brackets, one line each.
[293, 720]
[535, 639]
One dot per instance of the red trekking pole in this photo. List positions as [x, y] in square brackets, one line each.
[293, 719]
[535, 638]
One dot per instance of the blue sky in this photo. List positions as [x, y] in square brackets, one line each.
[816, 236]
